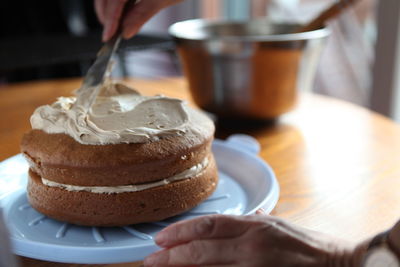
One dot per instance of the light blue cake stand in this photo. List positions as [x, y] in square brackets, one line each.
[246, 183]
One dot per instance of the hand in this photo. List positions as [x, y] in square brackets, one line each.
[109, 13]
[394, 238]
[257, 240]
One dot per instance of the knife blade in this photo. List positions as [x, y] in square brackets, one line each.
[95, 74]
[87, 94]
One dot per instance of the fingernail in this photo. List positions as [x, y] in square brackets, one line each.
[149, 260]
[106, 33]
[104, 37]
[161, 237]
[157, 257]
[126, 33]
[260, 211]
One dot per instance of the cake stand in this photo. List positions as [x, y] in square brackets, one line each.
[246, 183]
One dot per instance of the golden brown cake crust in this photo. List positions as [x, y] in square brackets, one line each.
[95, 209]
[59, 158]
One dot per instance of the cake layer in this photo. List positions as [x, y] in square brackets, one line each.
[188, 173]
[59, 158]
[119, 209]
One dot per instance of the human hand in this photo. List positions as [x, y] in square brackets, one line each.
[256, 240]
[109, 13]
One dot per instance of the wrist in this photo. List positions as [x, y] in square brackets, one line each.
[358, 254]
[350, 256]
[394, 239]
[355, 256]
[381, 252]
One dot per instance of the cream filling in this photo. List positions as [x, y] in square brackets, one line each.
[192, 172]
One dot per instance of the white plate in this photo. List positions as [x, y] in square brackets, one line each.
[246, 183]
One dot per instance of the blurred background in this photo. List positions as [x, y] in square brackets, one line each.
[57, 39]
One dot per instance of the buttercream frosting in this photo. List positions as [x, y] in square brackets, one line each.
[119, 114]
[192, 172]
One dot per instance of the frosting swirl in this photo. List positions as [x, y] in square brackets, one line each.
[120, 114]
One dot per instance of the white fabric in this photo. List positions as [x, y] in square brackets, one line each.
[346, 62]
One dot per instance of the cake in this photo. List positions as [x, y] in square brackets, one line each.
[122, 159]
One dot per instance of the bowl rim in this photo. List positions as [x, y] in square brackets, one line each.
[175, 30]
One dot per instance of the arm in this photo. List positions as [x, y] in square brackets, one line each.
[109, 13]
[257, 240]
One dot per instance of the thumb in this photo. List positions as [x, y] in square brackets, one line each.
[112, 17]
[140, 13]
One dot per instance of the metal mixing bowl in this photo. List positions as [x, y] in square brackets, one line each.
[250, 69]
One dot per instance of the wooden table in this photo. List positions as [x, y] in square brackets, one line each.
[338, 165]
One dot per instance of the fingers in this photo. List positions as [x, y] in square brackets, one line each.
[206, 227]
[198, 252]
[100, 8]
[142, 12]
[112, 16]
[109, 13]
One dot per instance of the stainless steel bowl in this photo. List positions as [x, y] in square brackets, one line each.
[250, 69]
